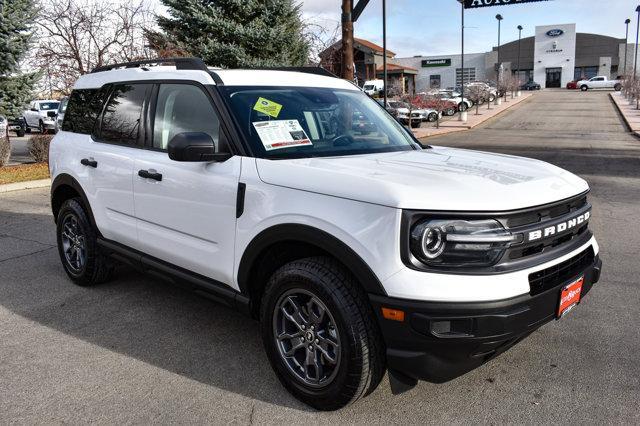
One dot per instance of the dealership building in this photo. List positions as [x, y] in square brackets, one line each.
[556, 55]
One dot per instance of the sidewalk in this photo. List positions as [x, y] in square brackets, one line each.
[630, 114]
[473, 120]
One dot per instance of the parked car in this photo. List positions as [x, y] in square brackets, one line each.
[600, 82]
[455, 97]
[59, 116]
[391, 110]
[530, 85]
[490, 93]
[572, 85]
[373, 87]
[38, 117]
[448, 109]
[357, 254]
[18, 126]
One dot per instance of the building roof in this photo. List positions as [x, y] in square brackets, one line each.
[372, 46]
[395, 68]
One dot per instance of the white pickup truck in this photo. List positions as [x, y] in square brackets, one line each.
[600, 82]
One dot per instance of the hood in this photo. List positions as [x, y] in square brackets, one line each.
[430, 179]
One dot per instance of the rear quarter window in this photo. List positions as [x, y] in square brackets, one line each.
[83, 109]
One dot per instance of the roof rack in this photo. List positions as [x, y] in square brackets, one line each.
[180, 63]
[307, 70]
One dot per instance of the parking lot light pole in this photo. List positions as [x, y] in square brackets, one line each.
[499, 18]
[463, 114]
[626, 45]
[519, 37]
[635, 62]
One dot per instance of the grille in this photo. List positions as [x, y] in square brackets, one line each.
[555, 275]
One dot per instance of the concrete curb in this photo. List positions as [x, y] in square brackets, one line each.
[29, 184]
[626, 111]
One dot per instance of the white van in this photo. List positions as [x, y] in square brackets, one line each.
[373, 87]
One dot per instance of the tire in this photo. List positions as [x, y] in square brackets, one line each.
[584, 87]
[462, 106]
[432, 117]
[41, 128]
[415, 124]
[492, 97]
[88, 266]
[449, 112]
[617, 87]
[20, 132]
[348, 320]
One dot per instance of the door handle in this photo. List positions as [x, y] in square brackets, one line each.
[90, 163]
[150, 175]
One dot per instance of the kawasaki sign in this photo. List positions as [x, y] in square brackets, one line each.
[436, 63]
[472, 4]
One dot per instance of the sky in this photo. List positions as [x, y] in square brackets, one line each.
[432, 27]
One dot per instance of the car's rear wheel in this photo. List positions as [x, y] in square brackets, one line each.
[77, 245]
[320, 333]
[617, 87]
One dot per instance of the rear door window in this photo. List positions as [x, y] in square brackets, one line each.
[122, 116]
[83, 108]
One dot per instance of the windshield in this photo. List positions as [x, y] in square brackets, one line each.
[368, 87]
[45, 106]
[63, 105]
[300, 122]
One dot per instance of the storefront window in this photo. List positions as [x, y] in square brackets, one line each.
[469, 75]
[434, 81]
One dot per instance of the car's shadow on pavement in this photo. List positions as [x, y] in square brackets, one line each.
[146, 319]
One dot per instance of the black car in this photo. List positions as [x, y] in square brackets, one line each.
[17, 125]
[530, 85]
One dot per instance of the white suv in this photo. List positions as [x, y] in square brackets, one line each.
[358, 252]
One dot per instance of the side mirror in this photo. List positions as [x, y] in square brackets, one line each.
[52, 113]
[195, 146]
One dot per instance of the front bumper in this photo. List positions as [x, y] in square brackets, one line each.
[439, 341]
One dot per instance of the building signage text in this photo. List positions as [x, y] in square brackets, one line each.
[472, 4]
[436, 63]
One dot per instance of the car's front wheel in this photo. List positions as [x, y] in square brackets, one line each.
[77, 245]
[320, 333]
[617, 87]
[432, 117]
[584, 87]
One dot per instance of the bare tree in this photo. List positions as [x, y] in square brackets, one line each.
[320, 38]
[75, 36]
[439, 104]
[477, 95]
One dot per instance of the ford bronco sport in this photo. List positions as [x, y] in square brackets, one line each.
[359, 252]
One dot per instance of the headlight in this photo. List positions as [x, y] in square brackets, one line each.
[460, 243]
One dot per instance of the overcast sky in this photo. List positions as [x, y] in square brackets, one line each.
[432, 27]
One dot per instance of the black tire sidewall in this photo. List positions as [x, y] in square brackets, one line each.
[73, 207]
[333, 395]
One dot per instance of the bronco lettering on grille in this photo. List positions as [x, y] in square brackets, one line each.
[559, 227]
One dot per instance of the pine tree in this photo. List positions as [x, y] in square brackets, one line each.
[234, 33]
[16, 88]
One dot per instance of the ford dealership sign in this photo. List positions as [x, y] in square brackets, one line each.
[555, 33]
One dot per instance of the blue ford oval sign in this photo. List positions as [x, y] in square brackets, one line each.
[555, 33]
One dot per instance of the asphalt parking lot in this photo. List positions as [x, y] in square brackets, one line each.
[137, 351]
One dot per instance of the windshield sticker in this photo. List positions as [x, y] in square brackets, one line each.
[268, 107]
[278, 134]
